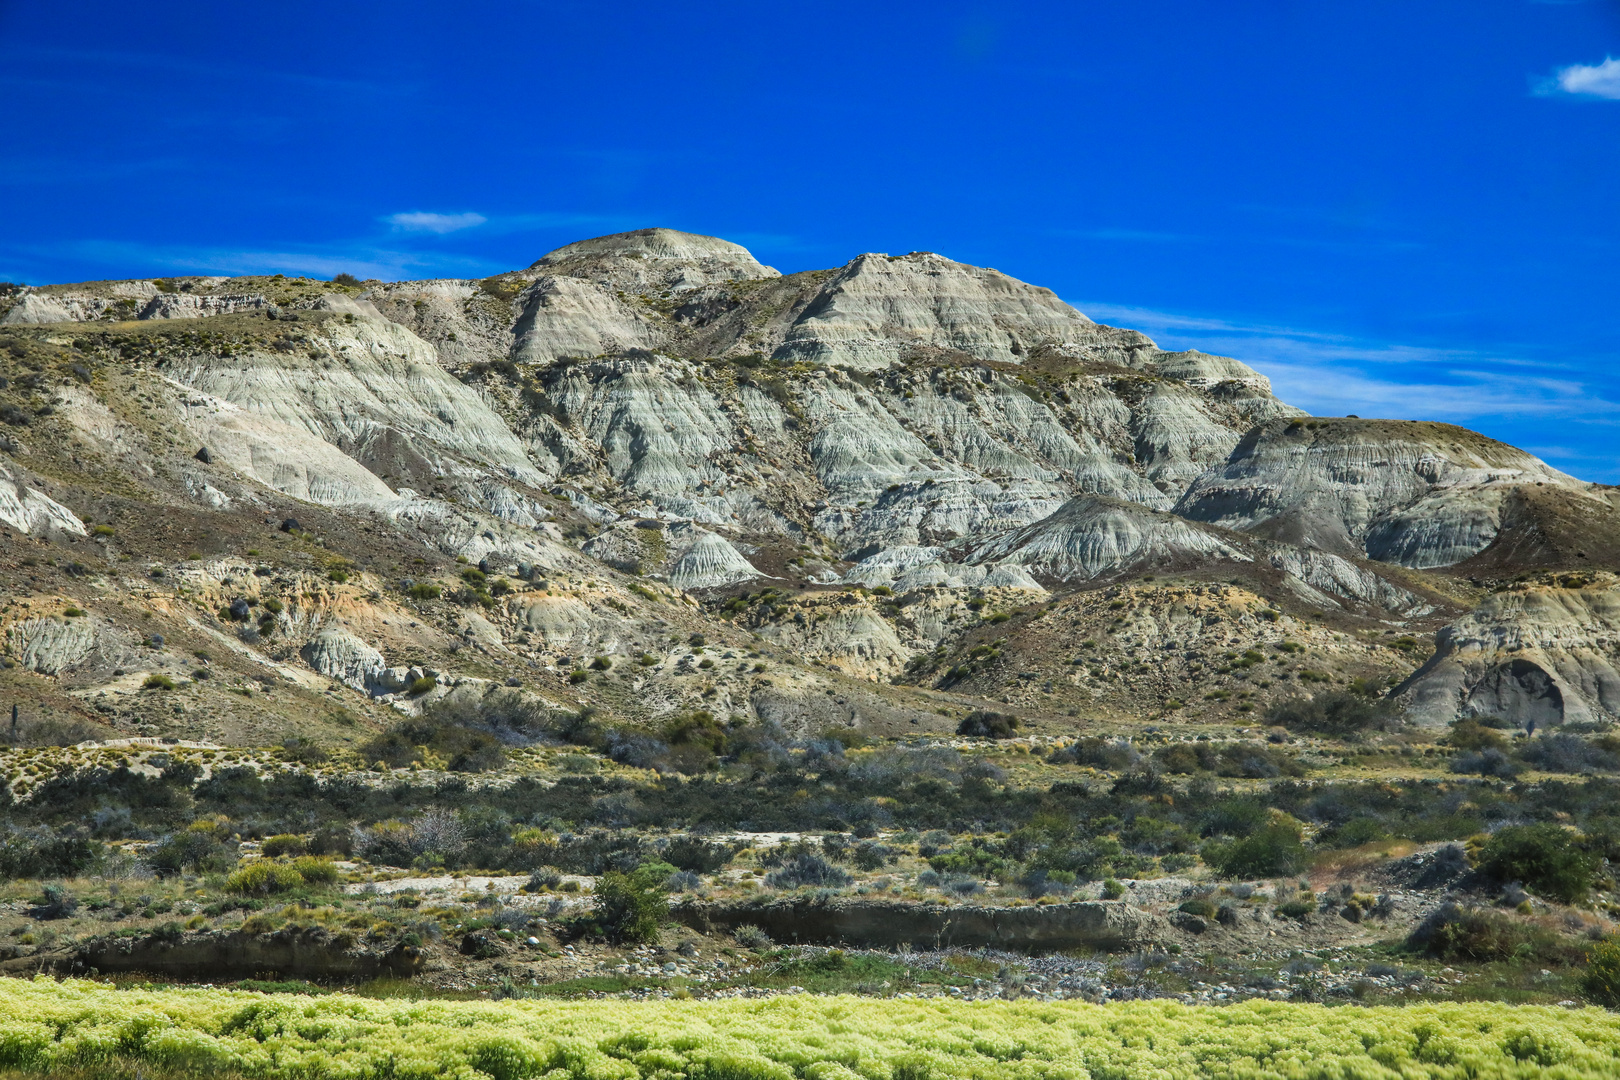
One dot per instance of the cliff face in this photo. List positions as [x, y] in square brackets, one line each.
[679, 440]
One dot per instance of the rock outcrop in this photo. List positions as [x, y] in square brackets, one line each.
[1547, 654]
[29, 510]
[967, 447]
[339, 654]
[877, 308]
[1415, 493]
[1092, 535]
[50, 645]
[653, 260]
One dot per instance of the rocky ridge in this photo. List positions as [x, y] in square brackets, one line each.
[661, 406]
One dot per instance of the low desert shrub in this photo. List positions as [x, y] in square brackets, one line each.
[805, 869]
[1546, 859]
[1272, 851]
[984, 724]
[627, 908]
[1453, 932]
[263, 877]
[1338, 715]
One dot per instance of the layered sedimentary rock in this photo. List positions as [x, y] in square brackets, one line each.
[661, 404]
[30, 510]
[1416, 493]
[878, 307]
[653, 260]
[1092, 535]
[341, 655]
[1533, 653]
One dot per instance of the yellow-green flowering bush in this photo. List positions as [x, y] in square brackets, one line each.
[77, 1025]
[262, 877]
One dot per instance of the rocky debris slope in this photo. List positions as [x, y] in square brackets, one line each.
[1204, 650]
[1543, 653]
[1415, 493]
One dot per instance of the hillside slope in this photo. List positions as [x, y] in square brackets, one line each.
[649, 475]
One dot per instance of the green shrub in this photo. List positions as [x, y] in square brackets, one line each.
[1271, 851]
[464, 749]
[1601, 980]
[1544, 858]
[46, 854]
[283, 844]
[315, 870]
[190, 849]
[1338, 715]
[627, 908]
[984, 724]
[1199, 906]
[423, 590]
[422, 685]
[1297, 908]
[1112, 890]
[1453, 932]
[576, 677]
[157, 681]
[263, 877]
[1472, 735]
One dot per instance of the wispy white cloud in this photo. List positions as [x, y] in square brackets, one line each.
[425, 221]
[1584, 80]
[124, 259]
[1333, 374]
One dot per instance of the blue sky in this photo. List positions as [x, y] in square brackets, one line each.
[1399, 209]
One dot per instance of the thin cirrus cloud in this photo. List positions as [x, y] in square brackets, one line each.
[1584, 80]
[421, 221]
[1333, 374]
[362, 260]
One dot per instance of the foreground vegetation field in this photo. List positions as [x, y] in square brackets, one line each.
[50, 1028]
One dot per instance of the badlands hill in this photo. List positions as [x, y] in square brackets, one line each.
[650, 475]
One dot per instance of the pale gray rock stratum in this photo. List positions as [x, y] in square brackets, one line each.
[1092, 535]
[29, 510]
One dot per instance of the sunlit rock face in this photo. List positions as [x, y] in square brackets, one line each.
[858, 464]
[1548, 655]
[1416, 493]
